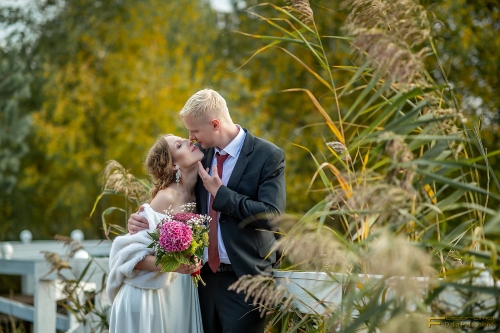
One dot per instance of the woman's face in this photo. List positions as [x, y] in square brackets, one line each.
[184, 152]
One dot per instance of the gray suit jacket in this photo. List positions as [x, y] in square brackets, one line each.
[255, 191]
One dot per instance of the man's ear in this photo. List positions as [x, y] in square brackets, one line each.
[215, 124]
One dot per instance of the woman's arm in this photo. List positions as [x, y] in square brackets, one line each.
[148, 264]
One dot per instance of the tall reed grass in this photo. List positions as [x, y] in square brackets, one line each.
[405, 176]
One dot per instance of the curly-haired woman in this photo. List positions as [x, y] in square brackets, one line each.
[145, 299]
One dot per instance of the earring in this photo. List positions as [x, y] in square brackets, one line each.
[178, 176]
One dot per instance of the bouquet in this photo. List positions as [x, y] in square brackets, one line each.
[180, 239]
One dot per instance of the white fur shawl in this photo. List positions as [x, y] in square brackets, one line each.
[126, 252]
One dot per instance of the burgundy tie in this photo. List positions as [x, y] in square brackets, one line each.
[213, 246]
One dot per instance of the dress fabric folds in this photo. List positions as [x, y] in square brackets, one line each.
[175, 308]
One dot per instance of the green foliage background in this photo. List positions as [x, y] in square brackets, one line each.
[99, 80]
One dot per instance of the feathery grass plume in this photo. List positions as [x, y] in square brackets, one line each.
[264, 291]
[454, 258]
[340, 149]
[304, 8]
[317, 250]
[72, 245]
[374, 199]
[451, 121]
[450, 124]
[403, 20]
[397, 148]
[395, 257]
[118, 179]
[453, 127]
[56, 263]
[392, 61]
[398, 151]
[389, 31]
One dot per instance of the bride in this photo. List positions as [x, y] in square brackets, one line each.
[145, 299]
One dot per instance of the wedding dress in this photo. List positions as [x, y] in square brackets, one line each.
[145, 301]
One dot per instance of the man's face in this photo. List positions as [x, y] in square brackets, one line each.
[201, 130]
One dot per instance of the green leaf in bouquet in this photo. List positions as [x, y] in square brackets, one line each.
[155, 236]
[181, 258]
[150, 246]
[169, 263]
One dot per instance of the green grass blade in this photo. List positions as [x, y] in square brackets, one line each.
[458, 184]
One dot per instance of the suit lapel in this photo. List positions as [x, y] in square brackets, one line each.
[242, 161]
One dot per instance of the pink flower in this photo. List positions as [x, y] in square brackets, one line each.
[184, 217]
[175, 236]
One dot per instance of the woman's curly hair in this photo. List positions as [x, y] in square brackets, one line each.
[159, 165]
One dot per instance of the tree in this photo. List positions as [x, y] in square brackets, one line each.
[466, 34]
[110, 77]
[15, 125]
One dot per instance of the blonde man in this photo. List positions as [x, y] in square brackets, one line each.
[250, 186]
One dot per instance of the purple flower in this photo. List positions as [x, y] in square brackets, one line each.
[175, 236]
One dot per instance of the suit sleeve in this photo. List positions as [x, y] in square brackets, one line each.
[270, 200]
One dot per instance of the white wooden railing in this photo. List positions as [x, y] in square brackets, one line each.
[27, 261]
[45, 288]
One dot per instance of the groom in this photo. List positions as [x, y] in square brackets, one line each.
[241, 184]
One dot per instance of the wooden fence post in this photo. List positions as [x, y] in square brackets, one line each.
[45, 307]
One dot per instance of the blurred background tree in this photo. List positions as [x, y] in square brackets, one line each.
[15, 126]
[106, 77]
[467, 37]
[466, 33]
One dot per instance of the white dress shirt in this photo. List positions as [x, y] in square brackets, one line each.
[233, 149]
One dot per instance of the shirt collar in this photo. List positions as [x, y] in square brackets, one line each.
[234, 147]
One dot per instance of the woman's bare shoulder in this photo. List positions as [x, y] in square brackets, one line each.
[164, 199]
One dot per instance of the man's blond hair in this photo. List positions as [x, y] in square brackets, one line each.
[206, 103]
